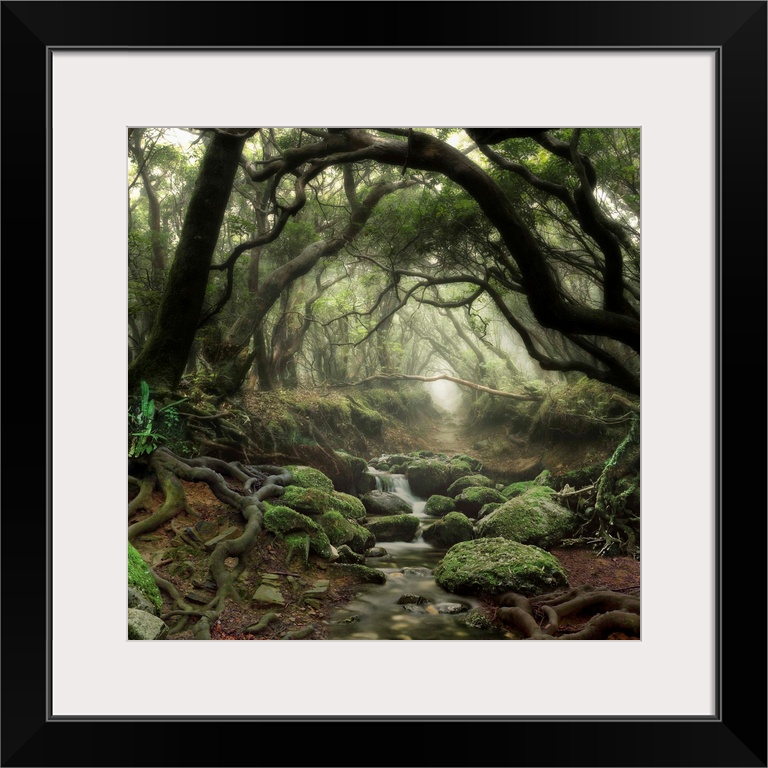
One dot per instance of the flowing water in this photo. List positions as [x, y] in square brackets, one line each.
[429, 612]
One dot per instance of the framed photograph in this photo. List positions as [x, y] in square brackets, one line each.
[691, 77]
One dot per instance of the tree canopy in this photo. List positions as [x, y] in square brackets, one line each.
[326, 255]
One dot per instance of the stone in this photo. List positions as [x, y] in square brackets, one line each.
[145, 626]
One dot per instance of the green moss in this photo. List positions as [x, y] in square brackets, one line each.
[308, 477]
[348, 505]
[458, 468]
[394, 527]
[517, 489]
[439, 505]
[140, 577]
[496, 565]
[453, 528]
[533, 518]
[341, 530]
[472, 499]
[297, 547]
[284, 520]
[457, 486]
[368, 421]
[308, 500]
[356, 465]
[427, 476]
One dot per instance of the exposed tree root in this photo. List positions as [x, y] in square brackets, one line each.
[248, 486]
[613, 612]
[146, 487]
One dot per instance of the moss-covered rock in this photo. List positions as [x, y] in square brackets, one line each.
[438, 505]
[394, 527]
[452, 529]
[348, 505]
[340, 530]
[533, 518]
[517, 489]
[486, 510]
[360, 480]
[310, 501]
[427, 477]
[283, 520]
[140, 577]
[471, 500]
[458, 468]
[467, 481]
[497, 565]
[309, 477]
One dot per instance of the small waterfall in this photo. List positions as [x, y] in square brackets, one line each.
[398, 484]
[387, 611]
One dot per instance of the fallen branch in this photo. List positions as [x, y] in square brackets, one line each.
[444, 377]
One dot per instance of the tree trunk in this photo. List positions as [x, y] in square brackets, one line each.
[165, 355]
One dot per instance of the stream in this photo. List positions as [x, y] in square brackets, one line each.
[410, 605]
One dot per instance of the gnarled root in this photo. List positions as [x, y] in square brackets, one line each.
[255, 486]
[614, 612]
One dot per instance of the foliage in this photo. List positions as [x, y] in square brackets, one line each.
[144, 419]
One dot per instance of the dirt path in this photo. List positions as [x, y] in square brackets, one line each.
[446, 437]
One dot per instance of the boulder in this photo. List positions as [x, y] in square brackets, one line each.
[394, 527]
[384, 503]
[340, 530]
[497, 565]
[311, 501]
[284, 520]
[427, 477]
[145, 626]
[535, 518]
[467, 481]
[472, 499]
[438, 505]
[309, 477]
[452, 529]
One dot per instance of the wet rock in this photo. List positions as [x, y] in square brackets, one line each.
[438, 505]
[415, 571]
[451, 608]
[361, 573]
[385, 503]
[376, 552]
[347, 555]
[409, 599]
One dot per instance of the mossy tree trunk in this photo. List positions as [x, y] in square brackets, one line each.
[165, 355]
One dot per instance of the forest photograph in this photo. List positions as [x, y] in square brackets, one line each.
[383, 383]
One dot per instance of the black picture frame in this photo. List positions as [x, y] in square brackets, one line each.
[736, 736]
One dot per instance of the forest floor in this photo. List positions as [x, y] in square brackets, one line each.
[447, 434]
